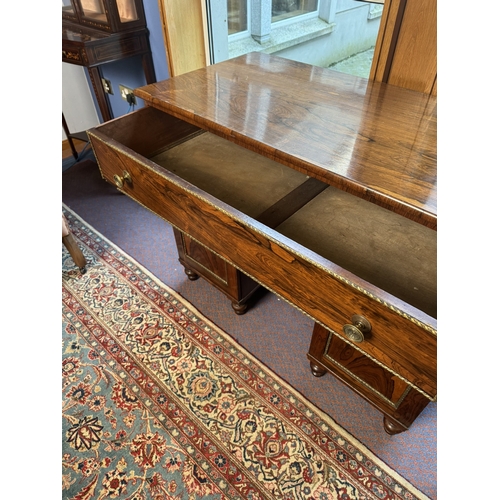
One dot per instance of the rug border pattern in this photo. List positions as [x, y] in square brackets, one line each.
[327, 430]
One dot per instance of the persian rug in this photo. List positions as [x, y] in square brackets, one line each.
[160, 403]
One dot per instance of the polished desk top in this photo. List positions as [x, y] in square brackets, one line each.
[373, 140]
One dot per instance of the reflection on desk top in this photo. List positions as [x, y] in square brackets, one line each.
[373, 140]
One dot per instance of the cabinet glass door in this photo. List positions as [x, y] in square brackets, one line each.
[127, 10]
[94, 9]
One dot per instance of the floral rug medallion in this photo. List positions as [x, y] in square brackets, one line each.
[159, 403]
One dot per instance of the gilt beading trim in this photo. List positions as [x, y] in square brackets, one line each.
[137, 159]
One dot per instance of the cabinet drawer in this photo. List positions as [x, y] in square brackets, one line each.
[215, 191]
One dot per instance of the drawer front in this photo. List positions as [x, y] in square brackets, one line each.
[384, 390]
[401, 340]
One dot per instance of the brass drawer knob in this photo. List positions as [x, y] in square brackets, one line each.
[356, 332]
[120, 181]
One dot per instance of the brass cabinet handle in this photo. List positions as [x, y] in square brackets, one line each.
[120, 181]
[356, 332]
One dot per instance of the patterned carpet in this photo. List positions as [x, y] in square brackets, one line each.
[273, 331]
[158, 402]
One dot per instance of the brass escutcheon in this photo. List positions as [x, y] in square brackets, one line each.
[356, 332]
[120, 181]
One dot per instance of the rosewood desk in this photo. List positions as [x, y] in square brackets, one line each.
[317, 185]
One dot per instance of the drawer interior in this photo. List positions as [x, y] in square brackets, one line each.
[383, 248]
[254, 185]
[239, 177]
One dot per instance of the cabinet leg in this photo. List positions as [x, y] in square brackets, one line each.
[392, 427]
[102, 98]
[317, 371]
[239, 308]
[191, 274]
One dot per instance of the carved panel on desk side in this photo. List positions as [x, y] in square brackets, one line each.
[208, 260]
[199, 260]
[385, 384]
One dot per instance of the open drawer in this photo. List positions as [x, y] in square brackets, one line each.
[265, 219]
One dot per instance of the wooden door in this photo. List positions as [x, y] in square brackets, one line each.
[406, 50]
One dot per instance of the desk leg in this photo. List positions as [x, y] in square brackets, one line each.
[102, 98]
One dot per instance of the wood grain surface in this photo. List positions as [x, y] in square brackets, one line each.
[323, 290]
[370, 139]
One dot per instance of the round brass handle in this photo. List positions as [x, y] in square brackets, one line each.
[356, 332]
[120, 181]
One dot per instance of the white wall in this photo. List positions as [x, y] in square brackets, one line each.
[77, 104]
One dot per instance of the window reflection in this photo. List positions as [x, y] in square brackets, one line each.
[236, 16]
[284, 9]
[237, 13]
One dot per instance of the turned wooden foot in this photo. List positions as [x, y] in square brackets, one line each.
[191, 274]
[392, 427]
[317, 371]
[239, 308]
